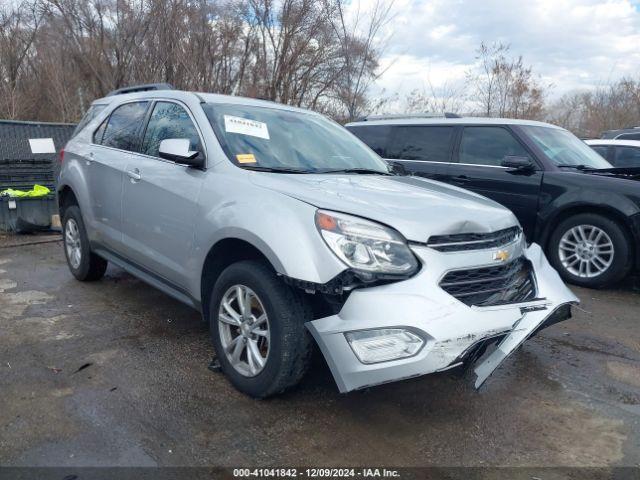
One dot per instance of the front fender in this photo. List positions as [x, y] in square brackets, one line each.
[281, 227]
[576, 199]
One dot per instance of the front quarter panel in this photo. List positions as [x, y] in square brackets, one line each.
[281, 227]
[565, 190]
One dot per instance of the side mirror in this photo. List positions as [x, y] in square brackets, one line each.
[397, 168]
[517, 163]
[177, 150]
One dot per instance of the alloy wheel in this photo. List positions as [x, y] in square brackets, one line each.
[72, 243]
[586, 251]
[244, 330]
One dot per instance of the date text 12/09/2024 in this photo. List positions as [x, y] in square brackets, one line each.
[315, 473]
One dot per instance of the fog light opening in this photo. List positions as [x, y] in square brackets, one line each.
[383, 345]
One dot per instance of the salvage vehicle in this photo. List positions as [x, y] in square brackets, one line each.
[619, 153]
[282, 229]
[583, 212]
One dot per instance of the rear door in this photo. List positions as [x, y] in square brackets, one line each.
[160, 196]
[108, 156]
[423, 150]
[477, 167]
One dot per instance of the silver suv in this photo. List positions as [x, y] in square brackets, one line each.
[284, 230]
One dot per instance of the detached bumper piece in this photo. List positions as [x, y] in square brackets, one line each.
[439, 318]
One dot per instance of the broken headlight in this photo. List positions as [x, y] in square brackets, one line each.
[365, 245]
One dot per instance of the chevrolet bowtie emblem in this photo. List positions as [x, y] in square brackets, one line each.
[501, 255]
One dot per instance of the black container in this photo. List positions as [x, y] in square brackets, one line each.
[24, 215]
[21, 169]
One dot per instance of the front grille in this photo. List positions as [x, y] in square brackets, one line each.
[473, 241]
[509, 283]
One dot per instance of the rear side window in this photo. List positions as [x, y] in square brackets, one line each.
[627, 157]
[489, 146]
[432, 144]
[123, 126]
[93, 111]
[169, 120]
[99, 133]
[375, 136]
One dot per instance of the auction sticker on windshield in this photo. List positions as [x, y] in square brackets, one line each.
[244, 126]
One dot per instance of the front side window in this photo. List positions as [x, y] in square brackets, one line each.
[600, 150]
[564, 148]
[169, 120]
[432, 144]
[489, 146]
[123, 127]
[627, 157]
[288, 141]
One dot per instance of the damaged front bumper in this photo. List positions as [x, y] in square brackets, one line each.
[451, 331]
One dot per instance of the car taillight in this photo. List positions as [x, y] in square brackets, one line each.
[61, 159]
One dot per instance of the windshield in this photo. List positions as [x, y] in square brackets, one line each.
[565, 149]
[271, 139]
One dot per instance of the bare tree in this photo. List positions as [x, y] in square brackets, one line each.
[589, 113]
[449, 97]
[18, 29]
[503, 86]
[58, 55]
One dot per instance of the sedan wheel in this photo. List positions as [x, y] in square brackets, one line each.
[586, 251]
[244, 330]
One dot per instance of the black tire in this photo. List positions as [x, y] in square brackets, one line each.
[291, 345]
[622, 251]
[91, 266]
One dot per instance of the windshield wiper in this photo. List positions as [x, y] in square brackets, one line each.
[362, 171]
[274, 169]
[580, 166]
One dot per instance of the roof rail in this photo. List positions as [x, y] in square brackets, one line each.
[408, 115]
[141, 88]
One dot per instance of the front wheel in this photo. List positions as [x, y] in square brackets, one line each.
[590, 250]
[257, 329]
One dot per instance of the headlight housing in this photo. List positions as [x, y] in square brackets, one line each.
[365, 245]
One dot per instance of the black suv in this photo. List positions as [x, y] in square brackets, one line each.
[581, 210]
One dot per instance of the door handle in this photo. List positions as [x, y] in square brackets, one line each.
[134, 175]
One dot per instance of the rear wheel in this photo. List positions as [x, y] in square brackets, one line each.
[590, 250]
[84, 265]
[257, 329]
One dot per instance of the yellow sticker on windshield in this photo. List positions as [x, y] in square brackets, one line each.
[246, 158]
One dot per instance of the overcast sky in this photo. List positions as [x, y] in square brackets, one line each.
[572, 44]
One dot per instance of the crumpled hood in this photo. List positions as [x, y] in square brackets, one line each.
[416, 207]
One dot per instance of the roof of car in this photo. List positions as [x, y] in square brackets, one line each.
[202, 97]
[607, 141]
[412, 120]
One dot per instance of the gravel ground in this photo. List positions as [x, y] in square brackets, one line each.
[115, 373]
